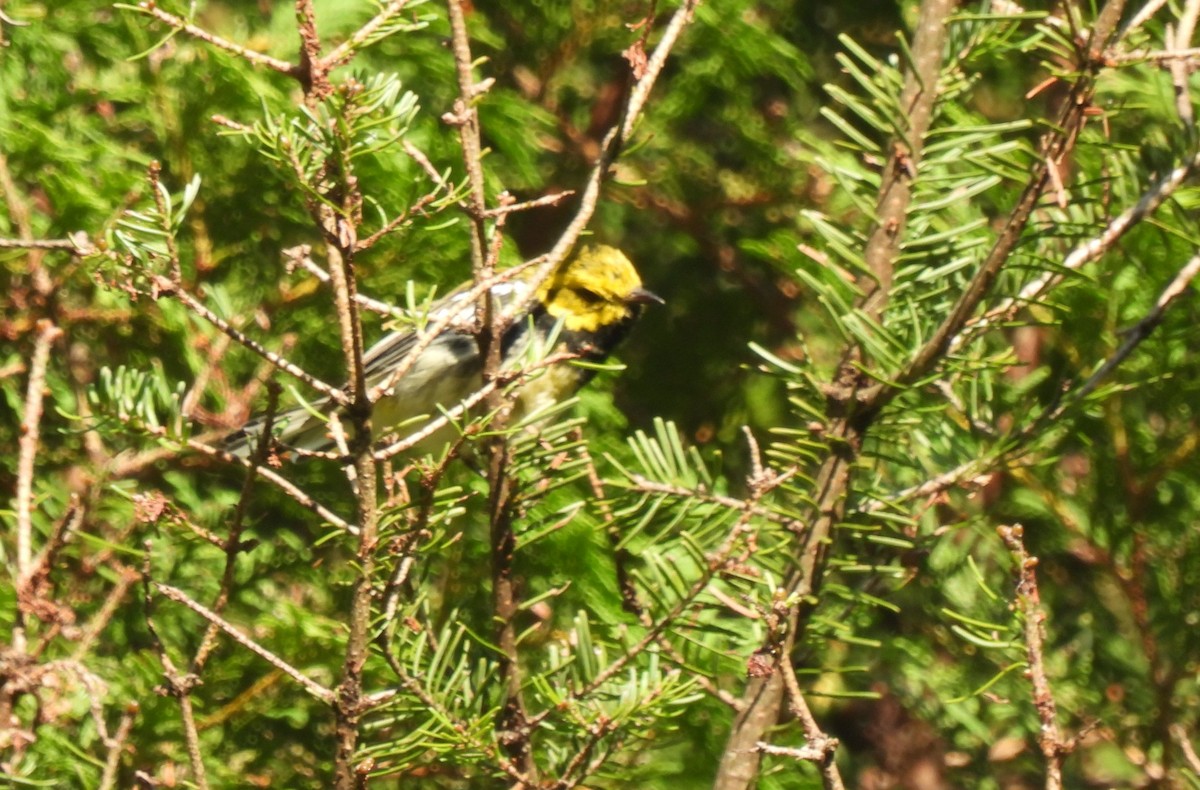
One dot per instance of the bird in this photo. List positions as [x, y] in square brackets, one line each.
[584, 308]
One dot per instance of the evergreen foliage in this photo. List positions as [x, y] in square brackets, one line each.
[908, 460]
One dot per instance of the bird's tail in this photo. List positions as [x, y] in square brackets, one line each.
[301, 427]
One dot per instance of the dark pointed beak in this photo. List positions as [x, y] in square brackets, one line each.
[642, 296]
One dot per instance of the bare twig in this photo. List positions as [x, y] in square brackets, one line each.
[616, 138]
[1143, 15]
[77, 245]
[31, 422]
[1134, 336]
[126, 578]
[1085, 253]
[1181, 69]
[179, 685]
[818, 742]
[299, 256]
[972, 473]
[308, 684]
[232, 544]
[466, 118]
[418, 156]
[280, 482]
[1054, 745]
[1185, 747]
[196, 306]
[116, 745]
[66, 525]
[249, 55]
[545, 200]
[808, 754]
[1159, 56]
[403, 217]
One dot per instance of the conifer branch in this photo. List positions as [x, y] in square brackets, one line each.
[764, 693]
[1056, 147]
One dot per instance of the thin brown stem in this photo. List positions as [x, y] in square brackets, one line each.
[616, 138]
[403, 218]
[1144, 14]
[466, 118]
[363, 473]
[126, 578]
[1055, 747]
[116, 745]
[179, 685]
[27, 449]
[545, 200]
[820, 743]
[308, 684]
[299, 256]
[280, 482]
[895, 192]
[1181, 68]
[232, 545]
[345, 51]
[249, 55]
[512, 728]
[1160, 56]
[1185, 747]
[340, 229]
[31, 422]
[196, 306]
[77, 246]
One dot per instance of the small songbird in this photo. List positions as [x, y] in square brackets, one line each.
[585, 308]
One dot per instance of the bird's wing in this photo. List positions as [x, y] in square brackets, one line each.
[392, 349]
[300, 427]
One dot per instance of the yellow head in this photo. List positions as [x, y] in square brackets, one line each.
[597, 288]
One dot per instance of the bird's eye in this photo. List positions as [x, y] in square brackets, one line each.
[589, 296]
